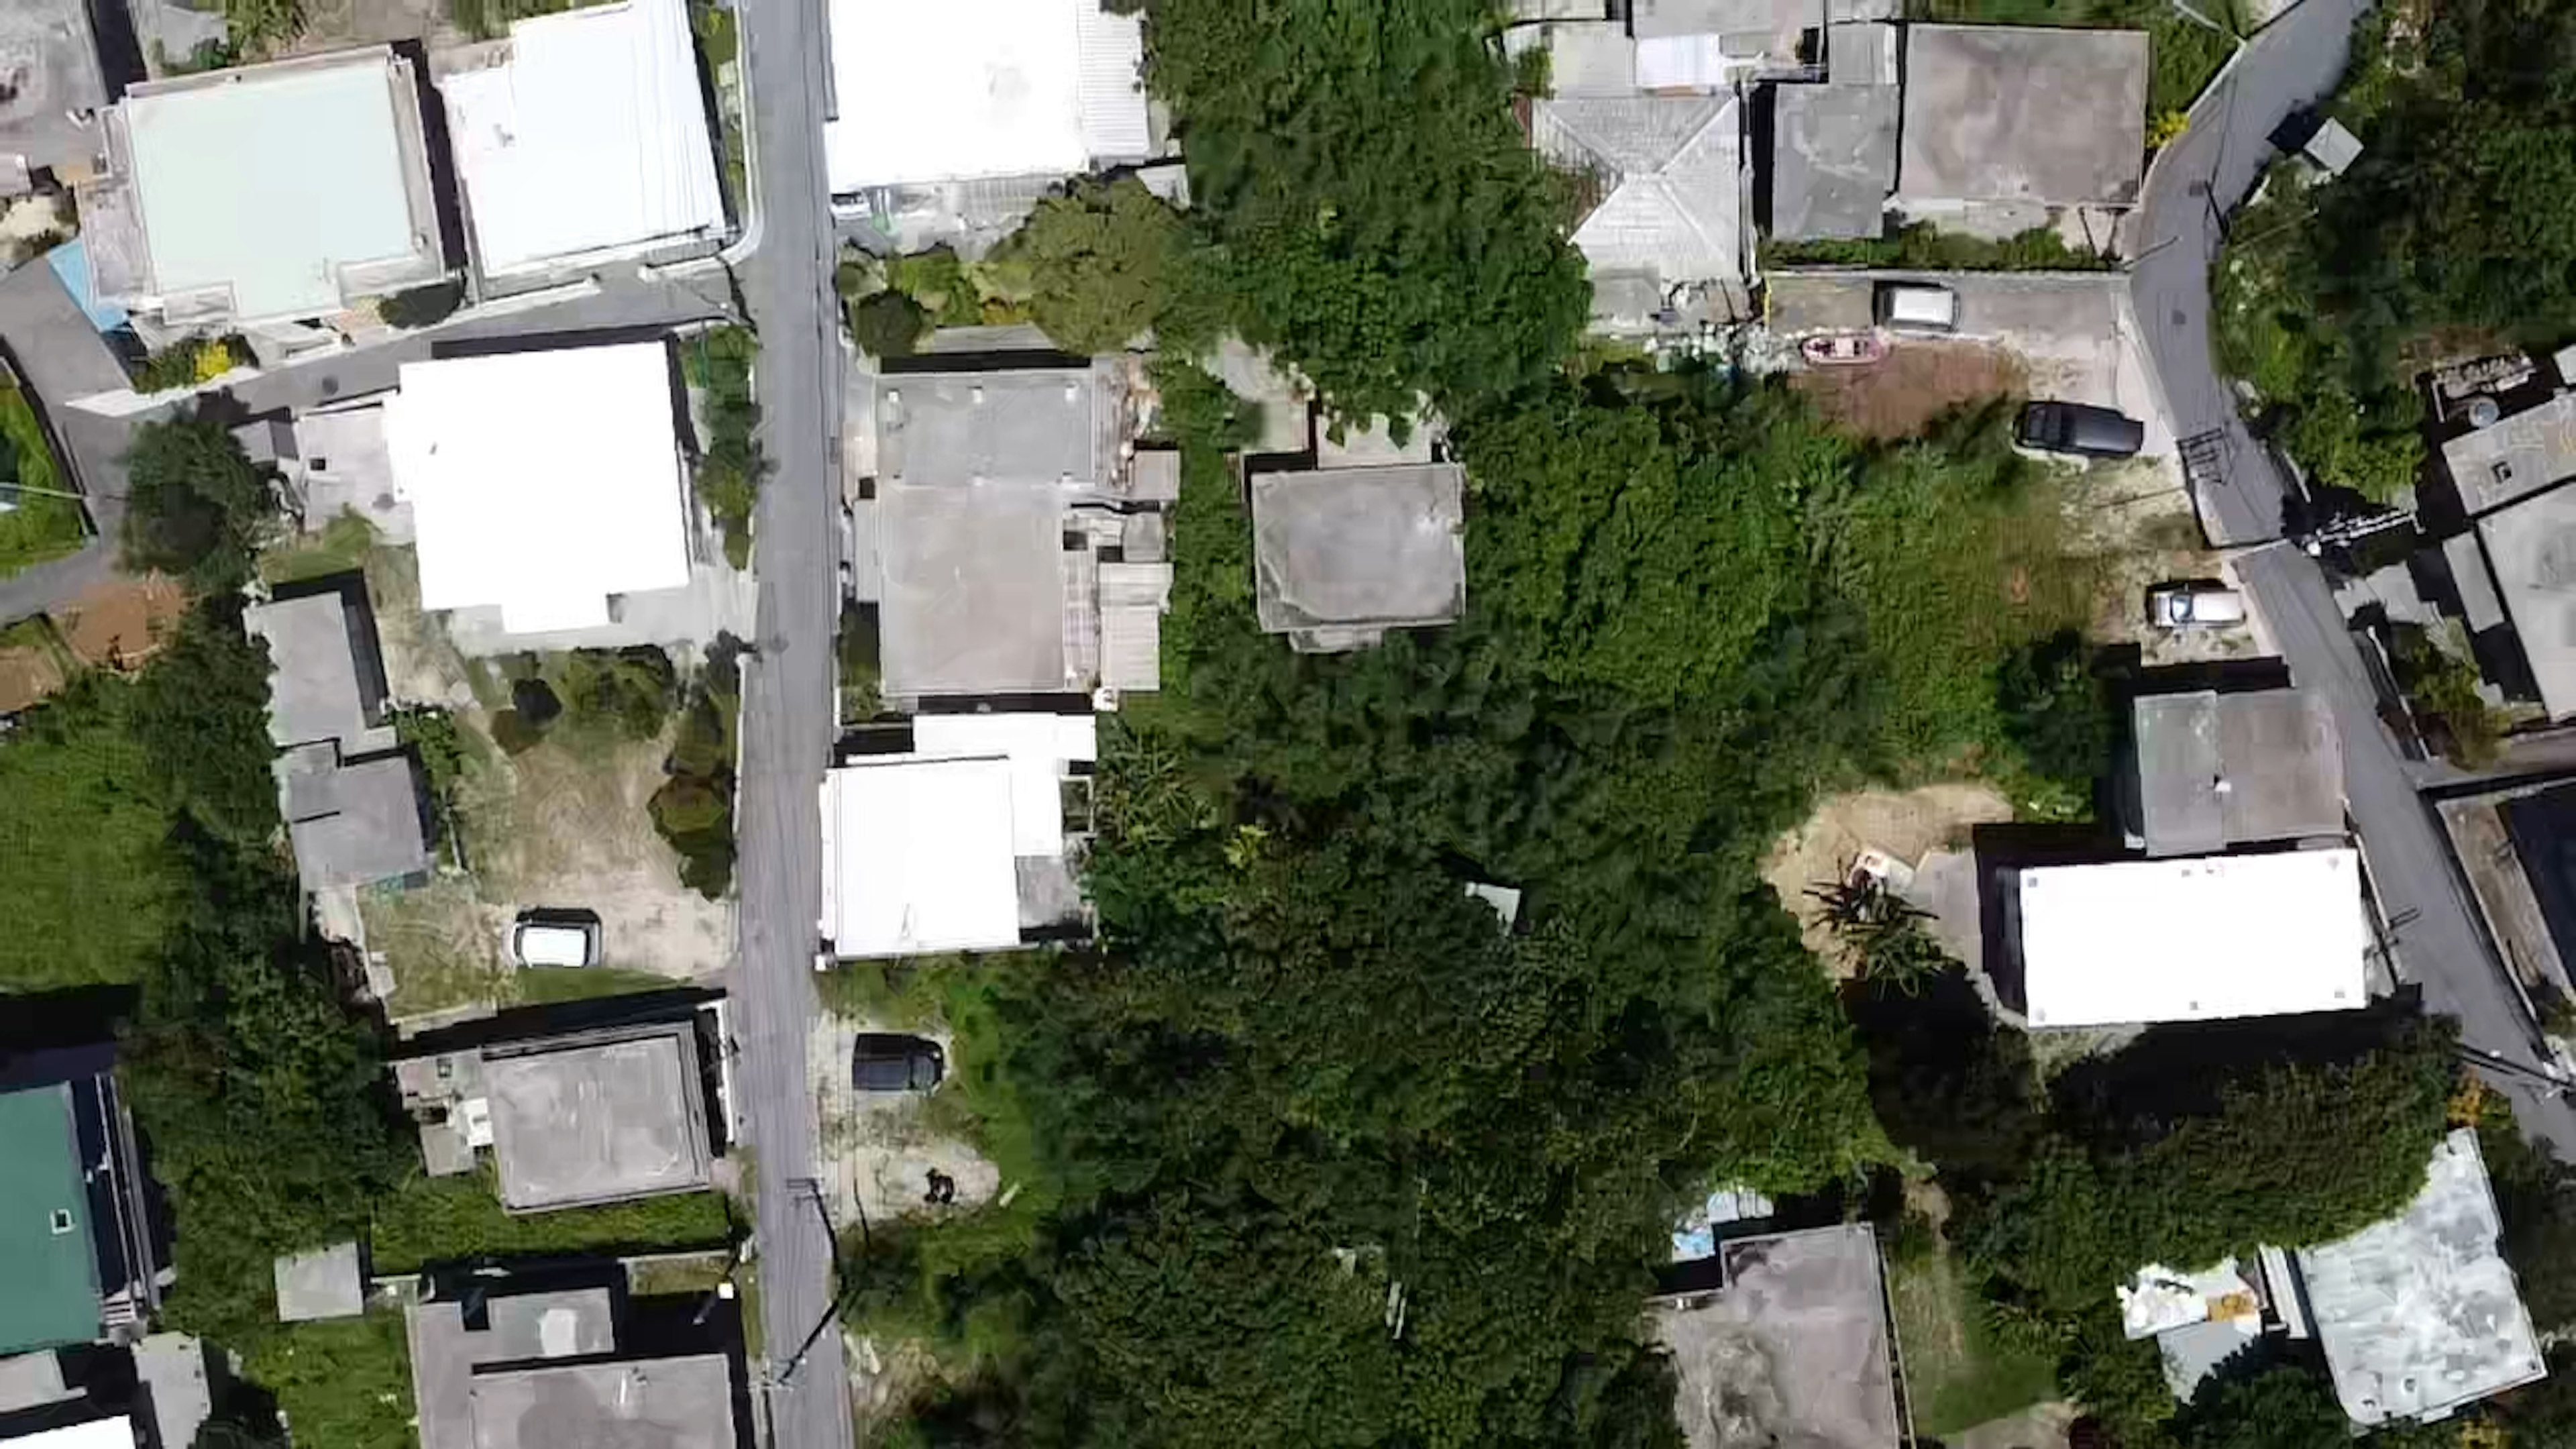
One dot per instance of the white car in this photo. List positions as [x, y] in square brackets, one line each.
[2194, 606]
[555, 941]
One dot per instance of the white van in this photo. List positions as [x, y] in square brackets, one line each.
[536, 942]
[1917, 307]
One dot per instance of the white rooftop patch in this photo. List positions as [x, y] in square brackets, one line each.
[981, 88]
[2196, 938]
[923, 851]
[277, 191]
[588, 139]
[542, 483]
[917, 856]
[2419, 1314]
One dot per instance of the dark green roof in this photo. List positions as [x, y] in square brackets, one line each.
[48, 1278]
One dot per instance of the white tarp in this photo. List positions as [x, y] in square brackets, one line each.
[541, 483]
[2193, 938]
[973, 89]
[590, 139]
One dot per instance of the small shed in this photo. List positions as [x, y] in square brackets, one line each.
[324, 1283]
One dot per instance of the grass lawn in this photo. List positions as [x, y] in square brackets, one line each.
[698, 1274]
[345, 1383]
[1955, 1374]
[445, 1219]
[341, 547]
[88, 874]
[542, 985]
[42, 526]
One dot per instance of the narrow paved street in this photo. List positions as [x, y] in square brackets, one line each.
[788, 715]
[2439, 941]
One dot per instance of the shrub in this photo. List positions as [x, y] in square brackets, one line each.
[535, 701]
[630, 689]
[196, 504]
[888, 324]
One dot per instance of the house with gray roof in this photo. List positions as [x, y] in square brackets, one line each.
[350, 794]
[1341, 555]
[1833, 160]
[1662, 181]
[2008, 114]
[2222, 770]
[512, 1363]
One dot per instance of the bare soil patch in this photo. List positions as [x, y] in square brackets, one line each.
[1906, 824]
[879, 1148]
[2136, 518]
[120, 622]
[1916, 382]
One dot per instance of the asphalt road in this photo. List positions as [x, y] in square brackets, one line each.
[788, 715]
[2438, 940]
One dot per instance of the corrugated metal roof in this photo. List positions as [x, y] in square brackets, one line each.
[1110, 102]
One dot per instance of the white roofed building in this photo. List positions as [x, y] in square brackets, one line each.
[2193, 938]
[267, 193]
[585, 138]
[981, 90]
[958, 845]
[543, 485]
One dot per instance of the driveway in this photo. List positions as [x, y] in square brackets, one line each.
[2438, 939]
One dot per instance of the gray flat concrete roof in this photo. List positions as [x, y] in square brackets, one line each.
[2517, 457]
[172, 1367]
[2216, 770]
[2419, 1314]
[1359, 548]
[1651, 19]
[2532, 543]
[1793, 1352]
[2012, 113]
[352, 824]
[324, 1283]
[49, 75]
[1036, 425]
[662, 1403]
[574, 1324]
[1833, 160]
[974, 589]
[316, 691]
[597, 1118]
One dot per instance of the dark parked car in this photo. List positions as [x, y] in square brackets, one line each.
[884, 1062]
[2080, 428]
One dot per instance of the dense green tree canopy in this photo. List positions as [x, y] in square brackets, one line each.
[195, 503]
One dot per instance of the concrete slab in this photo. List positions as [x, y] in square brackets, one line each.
[324, 1283]
[31, 1381]
[1793, 1351]
[665, 1403]
[551, 1325]
[2532, 544]
[50, 84]
[597, 1119]
[975, 589]
[172, 1367]
[1359, 549]
[1053, 426]
[2018, 114]
[1833, 160]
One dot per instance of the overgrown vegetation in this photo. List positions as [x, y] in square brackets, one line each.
[717, 366]
[429, 1220]
[2448, 236]
[1107, 263]
[344, 1382]
[1924, 246]
[891, 304]
[190, 361]
[197, 507]
[40, 523]
[2441, 688]
[694, 808]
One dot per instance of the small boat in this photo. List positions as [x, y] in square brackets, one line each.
[1843, 349]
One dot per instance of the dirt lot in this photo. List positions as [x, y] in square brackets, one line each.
[1916, 382]
[1909, 825]
[879, 1148]
[562, 825]
[2137, 517]
[119, 622]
